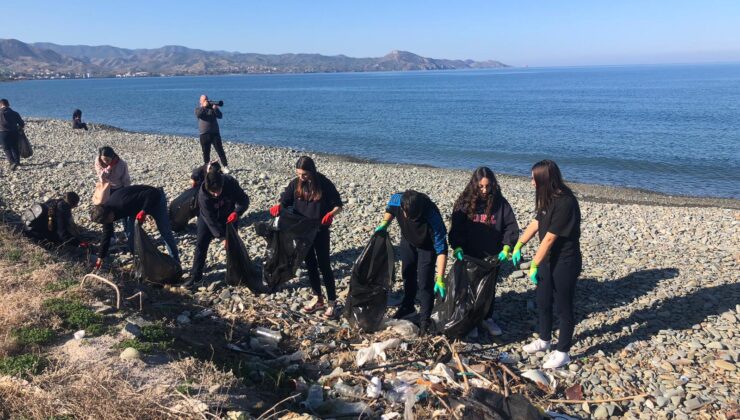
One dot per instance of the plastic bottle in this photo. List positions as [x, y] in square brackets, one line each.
[345, 390]
[267, 333]
[315, 396]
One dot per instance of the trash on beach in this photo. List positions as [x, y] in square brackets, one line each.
[336, 373]
[369, 284]
[376, 351]
[79, 335]
[240, 271]
[545, 382]
[374, 388]
[151, 264]
[314, 397]
[182, 209]
[406, 329]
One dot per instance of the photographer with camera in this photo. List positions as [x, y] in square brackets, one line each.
[208, 114]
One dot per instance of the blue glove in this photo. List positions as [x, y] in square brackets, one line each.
[533, 273]
[516, 257]
[504, 254]
[458, 253]
[439, 286]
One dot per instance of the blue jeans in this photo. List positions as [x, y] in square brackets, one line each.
[162, 219]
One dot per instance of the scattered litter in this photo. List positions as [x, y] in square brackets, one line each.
[406, 329]
[374, 388]
[545, 382]
[79, 335]
[376, 351]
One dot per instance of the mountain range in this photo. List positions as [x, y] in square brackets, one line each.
[19, 59]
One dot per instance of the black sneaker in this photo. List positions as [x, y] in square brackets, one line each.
[403, 312]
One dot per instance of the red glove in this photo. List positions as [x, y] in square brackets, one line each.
[140, 216]
[328, 218]
[98, 263]
[275, 210]
[84, 245]
[232, 217]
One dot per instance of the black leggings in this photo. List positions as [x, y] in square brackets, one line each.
[317, 260]
[208, 139]
[493, 298]
[557, 281]
[9, 140]
[202, 241]
[417, 270]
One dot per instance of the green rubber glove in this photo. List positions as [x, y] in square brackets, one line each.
[458, 253]
[516, 257]
[382, 226]
[504, 254]
[439, 286]
[533, 272]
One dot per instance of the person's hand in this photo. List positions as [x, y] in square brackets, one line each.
[226, 245]
[232, 217]
[98, 263]
[275, 210]
[516, 257]
[193, 184]
[533, 272]
[439, 286]
[458, 253]
[140, 216]
[84, 245]
[504, 254]
[327, 220]
[382, 226]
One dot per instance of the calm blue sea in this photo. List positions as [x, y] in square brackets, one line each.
[673, 129]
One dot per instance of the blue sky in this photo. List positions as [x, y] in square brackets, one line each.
[535, 33]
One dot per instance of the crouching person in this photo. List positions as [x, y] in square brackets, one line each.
[132, 202]
[52, 221]
[220, 201]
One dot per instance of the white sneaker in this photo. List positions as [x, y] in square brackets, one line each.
[225, 170]
[556, 359]
[536, 345]
[492, 327]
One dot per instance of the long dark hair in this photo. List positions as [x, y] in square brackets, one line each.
[308, 190]
[468, 199]
[548, 183]
[214, 178]
[108, 152]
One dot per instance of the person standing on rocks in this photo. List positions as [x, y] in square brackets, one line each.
[313, 195]
[10, 125]
[127, 202]
[557, 263]
[220, 201]
[111, 169]
[208, 114]
[423, 251]
[483, 226]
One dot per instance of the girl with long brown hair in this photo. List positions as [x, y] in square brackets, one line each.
[483, 226]
[313, 195]
[556, 265]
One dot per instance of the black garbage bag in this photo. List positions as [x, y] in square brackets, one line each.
[490, 405]
[289, 237]
[240, 271]
[371, 280]
[183, 209]
[470, 288]
[151, 264]
[24, 146]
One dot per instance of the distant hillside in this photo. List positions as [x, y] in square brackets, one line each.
[33, 60]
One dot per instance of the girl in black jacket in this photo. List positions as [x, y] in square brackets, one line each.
[483, 226]
[220, 201]
[314, 196]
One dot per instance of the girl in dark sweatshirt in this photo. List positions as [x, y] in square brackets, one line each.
[483, 226]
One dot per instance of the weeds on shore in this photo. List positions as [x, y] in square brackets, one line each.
[23, 365]
[34, 336]
[76, 315]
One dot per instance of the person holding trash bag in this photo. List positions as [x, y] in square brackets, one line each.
[127, 202]
[221, 201]
[423, 251]
[314, 196]
[111, 169]
[10, 125]
[483, 226]
[52, 221]
[556, 265]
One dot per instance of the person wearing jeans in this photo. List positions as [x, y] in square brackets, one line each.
[130, 203]
[423, 251]
[10, 125]
[208, 115]
[555, 267]
[314, 196]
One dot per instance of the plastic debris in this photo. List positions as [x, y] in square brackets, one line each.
[545, 382]
[79, 335]
[314, 398]
[344, 390]
[405, 328]
[376, 351]
[374, 388]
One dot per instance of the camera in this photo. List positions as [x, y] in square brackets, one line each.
[217, 103]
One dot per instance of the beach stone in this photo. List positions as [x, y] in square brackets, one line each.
[725, 365]
[130, 353]
[130, 331]
[715, 345]
[601, 412]
[693, 404]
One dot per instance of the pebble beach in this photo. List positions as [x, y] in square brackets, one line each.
[657, 303]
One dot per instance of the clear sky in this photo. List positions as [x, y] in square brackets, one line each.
[523, 32]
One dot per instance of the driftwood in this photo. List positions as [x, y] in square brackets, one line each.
[106, 281]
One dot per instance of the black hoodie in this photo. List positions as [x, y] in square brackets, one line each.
[215, 210]
[481, 236]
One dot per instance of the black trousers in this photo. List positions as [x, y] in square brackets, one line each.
[202, 242]
[9, 139]
[557, 282]
[317, 260]
[208, 139]
[417, 271]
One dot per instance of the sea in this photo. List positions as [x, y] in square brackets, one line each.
[673, 129]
